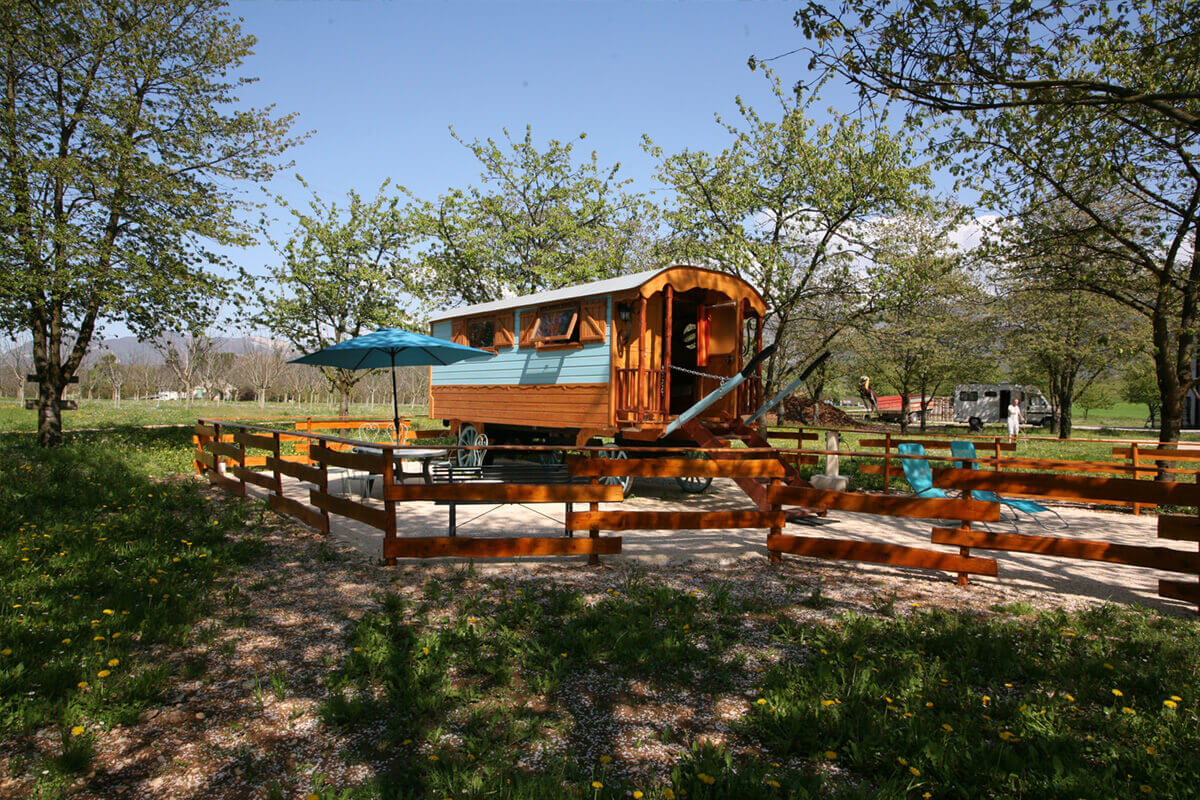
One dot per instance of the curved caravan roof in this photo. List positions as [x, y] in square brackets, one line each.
[681, 276]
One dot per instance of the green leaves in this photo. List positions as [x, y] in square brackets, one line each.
[787, 206]
[121, 144]
[539, 219]
[342, 272]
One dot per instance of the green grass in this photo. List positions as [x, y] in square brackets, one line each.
[507, 692]
[104, 414]
[104, 558]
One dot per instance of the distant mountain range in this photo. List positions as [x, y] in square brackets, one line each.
[129, 350]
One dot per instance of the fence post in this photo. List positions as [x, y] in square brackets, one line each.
[774, 556]
[322, 484]
[1133, 460]
[887, 462]
[965, 552]
[389, 505]
[242, 464]
[275, 470]
[594, 533]
[218, 464]
[199, 440]
[996, 441]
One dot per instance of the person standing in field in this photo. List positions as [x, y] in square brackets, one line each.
[1015, 418]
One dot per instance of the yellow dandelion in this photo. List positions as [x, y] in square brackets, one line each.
[1170, 703]
[66, 641]
[358, 649]
[826, 702]
[637, 794]
[1127, 709]
[668, 794]
[1070, 698]
[6, 651]
[605, 759]
[1107, 665]
[1150, 750]
[597, 785]
[312, 796]
[425, 650]
[1144, 789]
[77, 730]
[947, 727]
[433, 758]
[903, 761]
[1118, 693]
[108, 611]
[706, 778]
[831, 755]
[916, 772]
[762, 701]
[774, 784]
[103, 673]
[112, 662]
[929, 705]
[1177, 698]
[82, 684]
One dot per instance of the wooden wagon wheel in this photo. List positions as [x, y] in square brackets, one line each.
[695, 485]
[625, 483]
[469, 436]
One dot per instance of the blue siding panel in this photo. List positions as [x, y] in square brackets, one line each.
[513, 367]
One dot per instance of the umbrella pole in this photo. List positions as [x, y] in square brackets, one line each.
[395, 402]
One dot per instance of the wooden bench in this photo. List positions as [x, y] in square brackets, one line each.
[509, 473]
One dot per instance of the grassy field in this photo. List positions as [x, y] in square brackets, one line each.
[105, 556]
[94, 414]
[511, 687]
[509, 692]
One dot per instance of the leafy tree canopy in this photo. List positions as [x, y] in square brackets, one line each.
[121, 140]
[538, 219]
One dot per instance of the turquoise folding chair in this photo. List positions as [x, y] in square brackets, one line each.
[917, 471]
[966, 451]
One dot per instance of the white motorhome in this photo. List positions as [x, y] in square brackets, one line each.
[978, 404]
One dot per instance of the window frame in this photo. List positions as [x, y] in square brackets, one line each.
[572, 334]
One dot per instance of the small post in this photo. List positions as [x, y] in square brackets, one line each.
[323, 485]
[594, 533]
[242, 464]
[774, 556]
[965, 552]
[278, 457]
[997, 443]
[887, 463]
[218, 463]
[832, 459]
[389, 505]
[1134, 460]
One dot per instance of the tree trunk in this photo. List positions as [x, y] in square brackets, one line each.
[49, 414]
[1066, 389]
[344, 403]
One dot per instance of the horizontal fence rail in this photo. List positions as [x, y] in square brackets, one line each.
[234, 455]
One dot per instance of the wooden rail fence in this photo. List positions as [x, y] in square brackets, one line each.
[228, 454]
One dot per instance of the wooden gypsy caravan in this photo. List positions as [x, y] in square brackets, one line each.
[621, 357]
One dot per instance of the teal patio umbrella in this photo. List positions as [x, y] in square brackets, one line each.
[391, 347]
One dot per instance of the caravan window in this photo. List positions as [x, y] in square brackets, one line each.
[481, 333]
[989, 394]
[968, 397]
[558, 324]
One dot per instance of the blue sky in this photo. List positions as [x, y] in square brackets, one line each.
[379, 83]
